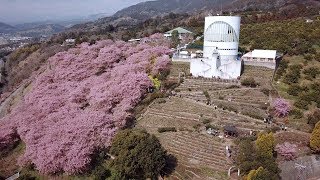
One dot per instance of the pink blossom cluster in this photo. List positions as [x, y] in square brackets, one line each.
[282, 107]
[161, 64]
[158, 38]
[79, 102]
[287, 150]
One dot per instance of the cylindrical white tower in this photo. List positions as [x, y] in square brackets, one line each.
[222, 33]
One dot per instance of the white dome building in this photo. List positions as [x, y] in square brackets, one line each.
[222, 33]
[220, 49]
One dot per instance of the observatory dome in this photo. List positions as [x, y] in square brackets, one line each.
[221, 33]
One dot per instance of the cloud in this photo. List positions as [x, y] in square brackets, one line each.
[35, 10]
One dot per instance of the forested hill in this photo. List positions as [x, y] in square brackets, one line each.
[149, 9]
[280, 5]
[141, 12]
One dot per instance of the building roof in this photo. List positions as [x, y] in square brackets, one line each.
[259, 53]
[71, 40]
[184, 52]
[133, 40]
[180, 31]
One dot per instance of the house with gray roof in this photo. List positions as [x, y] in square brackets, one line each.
[181, 31]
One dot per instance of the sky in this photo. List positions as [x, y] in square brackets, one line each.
[20, 11]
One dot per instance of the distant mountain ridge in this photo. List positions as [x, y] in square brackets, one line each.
[39, 29]
[5, 28]
[31, 29]
[149, 9]
[135, 14]
[271, 4]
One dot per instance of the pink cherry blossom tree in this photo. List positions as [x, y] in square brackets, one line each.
[282, 107]
[80, 101]
[287, 150]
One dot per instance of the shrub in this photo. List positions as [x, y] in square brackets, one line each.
[264, 106]
[197, 126]
[301, 104]
[259, 174]
[265, 91]
[155, 81]
[313, 117]
[249, 82]
[293, 75]
[282, 107]
[287, 150]
[221, 97]
[307, 57]
[207, 95]
[296, 113]
[231, 109]
[100, 172]
[170, 84]
[233, 87]
[283, 65]
[291, 78]
[167, 129]
[27, 176]
[294, 90]
[273, 129]
[317, 56]
[206, 121]
[253, 114]
[156, 95]
[311, 73]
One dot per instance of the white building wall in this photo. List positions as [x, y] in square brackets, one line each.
[220, 51]
[213, 67]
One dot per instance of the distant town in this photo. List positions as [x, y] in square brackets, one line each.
[9, 43]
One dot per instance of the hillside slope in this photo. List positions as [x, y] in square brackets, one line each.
[141, 12]
[149, 9]
[78, 103]
[155, 8]
[242, 5]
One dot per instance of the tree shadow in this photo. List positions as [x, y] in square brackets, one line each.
[171, 164]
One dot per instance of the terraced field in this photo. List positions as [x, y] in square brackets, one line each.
[260, 74]
[196, 84]
[195, 151]
[199, 155]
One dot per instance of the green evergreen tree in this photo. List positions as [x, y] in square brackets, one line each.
[315, 138]
[139, 155]
[175, 38]
[259, 174]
